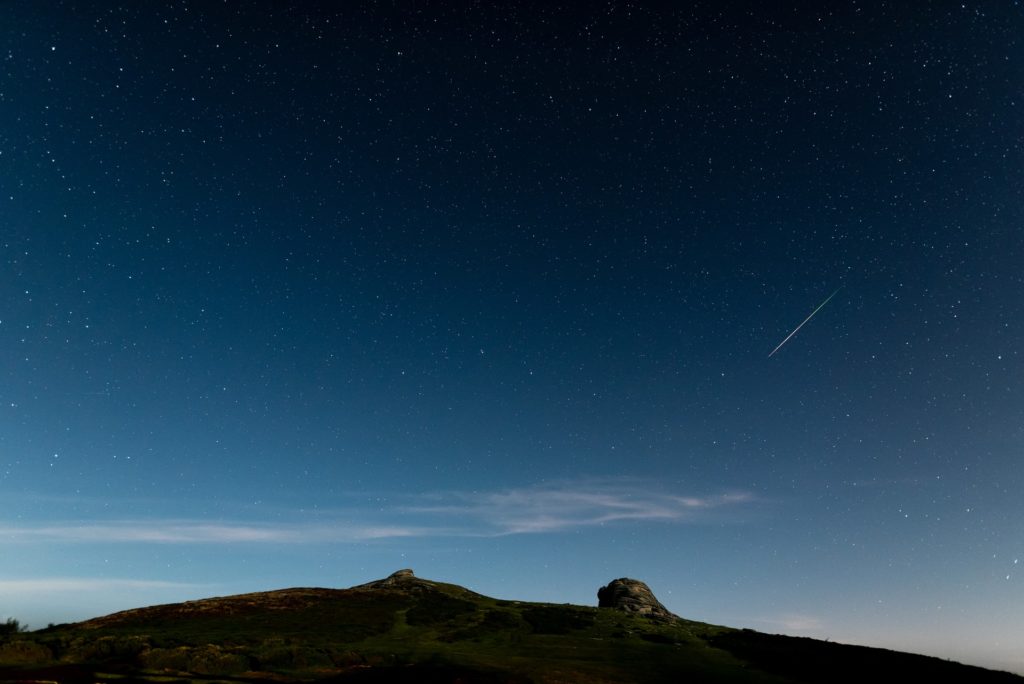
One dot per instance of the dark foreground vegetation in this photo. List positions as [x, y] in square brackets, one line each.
[10, 626]
[414, 630]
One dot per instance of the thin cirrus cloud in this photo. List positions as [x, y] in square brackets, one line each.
[528, 510]
[22, 587]
[200, 532]
[559, 507]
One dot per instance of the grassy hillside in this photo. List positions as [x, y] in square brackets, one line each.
[411, 630]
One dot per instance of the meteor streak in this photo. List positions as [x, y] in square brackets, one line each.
[802, 324]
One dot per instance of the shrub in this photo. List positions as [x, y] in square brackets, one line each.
[24, 653]
[12, 626]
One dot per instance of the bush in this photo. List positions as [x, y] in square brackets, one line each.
[12, 626]
[23, 652]
[209, 660]
[108, 648]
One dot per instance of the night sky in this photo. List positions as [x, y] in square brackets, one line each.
[299, 295]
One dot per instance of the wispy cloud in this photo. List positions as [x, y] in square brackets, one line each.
[562, 506]
[201, 532]
[51, 585]
[539, 509]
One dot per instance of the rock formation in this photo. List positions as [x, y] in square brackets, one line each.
[400, 579]
[632, 596]
[405, 582]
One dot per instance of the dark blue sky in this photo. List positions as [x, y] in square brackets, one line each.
[301, 295]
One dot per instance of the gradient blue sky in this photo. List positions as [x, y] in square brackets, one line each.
[301, 296]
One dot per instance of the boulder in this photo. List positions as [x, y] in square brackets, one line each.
[633, 596]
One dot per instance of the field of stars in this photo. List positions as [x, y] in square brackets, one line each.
[725, 297]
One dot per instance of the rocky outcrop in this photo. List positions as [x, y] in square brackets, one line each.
[399, 576]
[397, 579]
[633, 596]
[400, 579]
[404, 582]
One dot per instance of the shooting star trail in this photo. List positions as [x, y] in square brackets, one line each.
[802, 324]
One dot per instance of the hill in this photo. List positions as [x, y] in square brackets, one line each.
[407, 629]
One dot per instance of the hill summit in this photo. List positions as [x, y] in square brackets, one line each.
[398, 577]
[404, 579]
